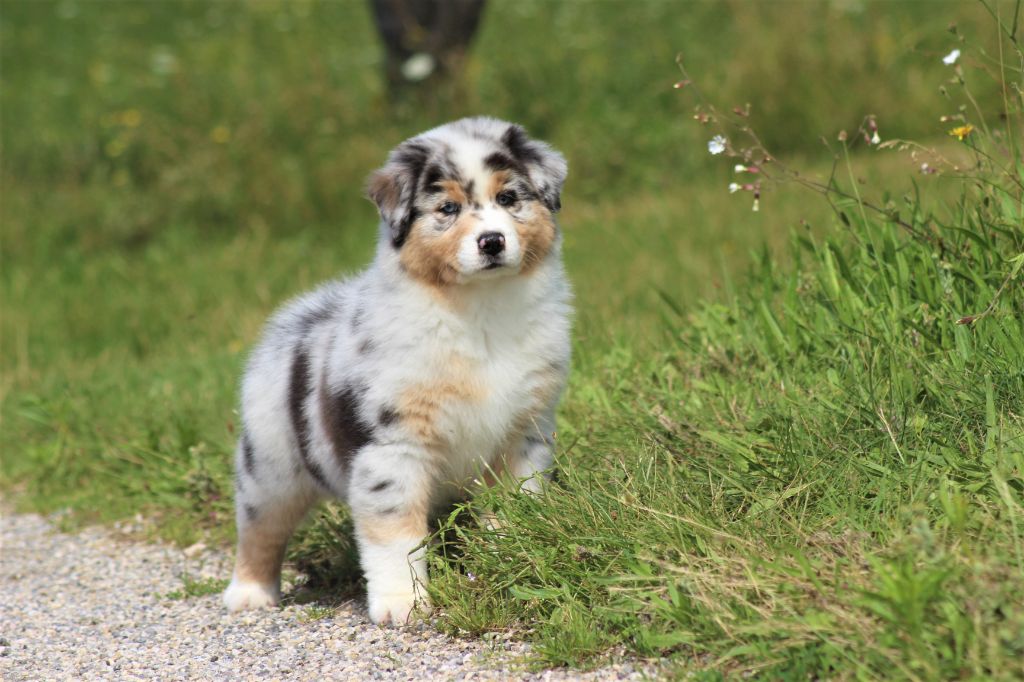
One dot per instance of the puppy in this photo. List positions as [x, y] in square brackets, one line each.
[434, 370]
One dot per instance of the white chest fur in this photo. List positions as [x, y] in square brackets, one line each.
[470, 375]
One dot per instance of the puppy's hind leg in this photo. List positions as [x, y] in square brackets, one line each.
[266, 517]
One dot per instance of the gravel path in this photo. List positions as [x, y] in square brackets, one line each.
[92, 605]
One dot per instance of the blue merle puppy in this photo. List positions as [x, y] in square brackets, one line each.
[428, 374]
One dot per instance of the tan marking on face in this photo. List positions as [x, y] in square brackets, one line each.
[536, 236]
[455, 192]
[536, 229]
[431, 256]
[422, 406]
[497, 182]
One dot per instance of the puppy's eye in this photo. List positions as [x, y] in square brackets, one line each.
[449, 208]
[506, 198]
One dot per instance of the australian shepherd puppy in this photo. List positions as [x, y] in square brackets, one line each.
[434, 371]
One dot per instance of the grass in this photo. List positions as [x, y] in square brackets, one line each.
[197, 587]
[779, 454]
[314, 613]
[821, 477]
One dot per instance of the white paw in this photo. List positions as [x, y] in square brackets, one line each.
[395, 607]
[240, 596]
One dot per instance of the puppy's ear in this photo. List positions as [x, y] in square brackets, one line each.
[545, 166]
[393, 188]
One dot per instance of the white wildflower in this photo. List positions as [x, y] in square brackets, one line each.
[734, 187]
[716, 145]
[163, 61]
[951, 58]
[875, 139]
[740, 168]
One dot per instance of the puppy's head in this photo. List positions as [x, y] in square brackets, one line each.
[470, 200]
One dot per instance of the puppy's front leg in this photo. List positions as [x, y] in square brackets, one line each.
[390, 495]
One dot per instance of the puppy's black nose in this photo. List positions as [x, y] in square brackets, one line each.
[491, 243]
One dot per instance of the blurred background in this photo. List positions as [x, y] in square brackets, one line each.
[172, 171]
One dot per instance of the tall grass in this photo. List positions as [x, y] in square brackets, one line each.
[824, 476]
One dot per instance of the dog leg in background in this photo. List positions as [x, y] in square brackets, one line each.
[389, 495]
[265, 520]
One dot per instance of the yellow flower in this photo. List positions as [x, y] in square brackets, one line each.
[220, 134]
[100, 73]
[115, 147]
[131, 118]
[960, 132]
